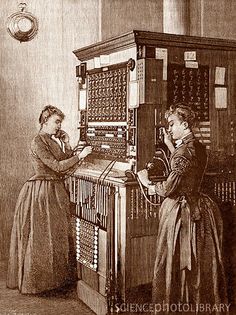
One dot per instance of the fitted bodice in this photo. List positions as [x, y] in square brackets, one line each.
[190, 160]
[48, 159]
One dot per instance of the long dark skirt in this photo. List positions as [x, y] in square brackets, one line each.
[40, 253]
[189, 263]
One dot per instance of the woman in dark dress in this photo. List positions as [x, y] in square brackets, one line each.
[189, 266]
[39, 251]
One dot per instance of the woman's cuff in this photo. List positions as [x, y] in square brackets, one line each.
[79, 157]
[152, 189]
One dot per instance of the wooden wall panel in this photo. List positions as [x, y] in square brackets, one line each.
[121, 16]
[143, 253]
[195, 17]
[213, 18]
[219, 18]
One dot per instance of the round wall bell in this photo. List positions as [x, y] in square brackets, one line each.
[22, 25]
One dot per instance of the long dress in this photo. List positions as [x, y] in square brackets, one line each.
[40, 251]
[189, 264]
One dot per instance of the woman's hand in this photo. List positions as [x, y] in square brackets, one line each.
[167, 140]
[63, 136]
[167, 136]
[143, 177]
[85, 152]
[80, 146]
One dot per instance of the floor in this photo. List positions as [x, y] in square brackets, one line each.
[64, 302]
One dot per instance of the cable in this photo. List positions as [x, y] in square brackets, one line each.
[144, 194]
[112, 161]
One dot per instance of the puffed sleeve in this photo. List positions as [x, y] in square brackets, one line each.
[42, 151]
[179, 167]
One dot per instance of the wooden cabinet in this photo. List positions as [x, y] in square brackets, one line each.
[125, 85]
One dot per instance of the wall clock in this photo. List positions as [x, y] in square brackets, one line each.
[22, 25]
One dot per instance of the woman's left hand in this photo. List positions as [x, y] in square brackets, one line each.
[167, 137]
[64, 137]
[143, 177]
[168, 140]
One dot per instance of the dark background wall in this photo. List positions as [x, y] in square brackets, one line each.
[42, 71]
[218, 18]
[119, 16]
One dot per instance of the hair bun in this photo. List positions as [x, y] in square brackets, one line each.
[184, 112]
[48, 111]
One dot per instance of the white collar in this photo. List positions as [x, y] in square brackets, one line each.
[179, 142]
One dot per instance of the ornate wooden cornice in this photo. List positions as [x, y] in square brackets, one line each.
[135, 38]
[105, 47]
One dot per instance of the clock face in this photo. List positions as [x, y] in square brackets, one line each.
[23, 26]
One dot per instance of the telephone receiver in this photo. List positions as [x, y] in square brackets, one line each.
[159, 164]
[59, 134]
[160, 135]
[161, 130]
